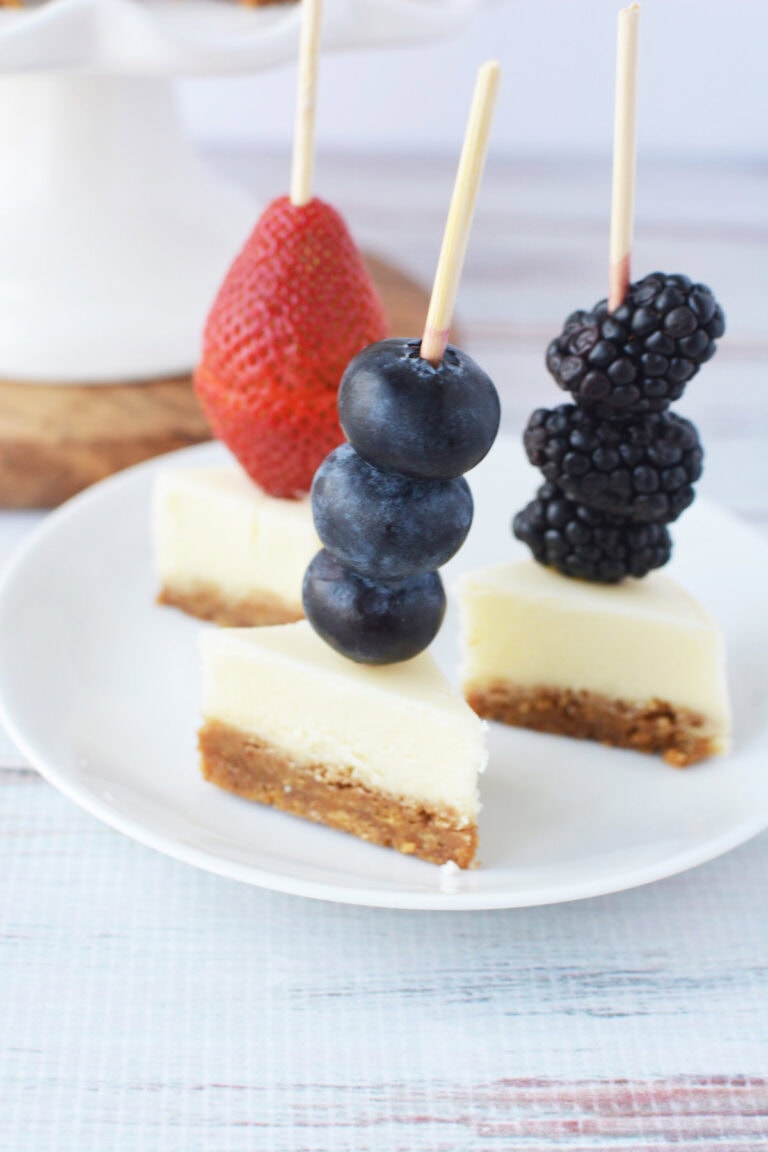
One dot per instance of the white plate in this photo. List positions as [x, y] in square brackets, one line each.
[99, 688]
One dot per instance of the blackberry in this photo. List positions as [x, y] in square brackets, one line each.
[639, 358]
[643, 468]
[586, 543]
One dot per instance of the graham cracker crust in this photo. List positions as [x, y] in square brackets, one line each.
[679, 735]
[255, 770]
[206, 602]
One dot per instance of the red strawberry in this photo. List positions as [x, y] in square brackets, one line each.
[295, 307]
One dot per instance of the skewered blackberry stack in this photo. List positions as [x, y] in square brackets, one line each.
[618, 465]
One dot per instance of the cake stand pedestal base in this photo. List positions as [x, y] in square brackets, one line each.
[56, 440]
[114, 236]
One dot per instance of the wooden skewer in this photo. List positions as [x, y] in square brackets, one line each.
[624, 151]
[459, 222]
[303, 165]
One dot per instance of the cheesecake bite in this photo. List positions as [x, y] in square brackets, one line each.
[231, 544]
[388, 753]
[297, 304]
[227, 551]
[344, 718]
[588, 641]
[637, 664]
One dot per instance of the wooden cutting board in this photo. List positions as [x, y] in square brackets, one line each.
[56, 440]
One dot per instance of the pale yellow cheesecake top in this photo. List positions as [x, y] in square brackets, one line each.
[216, 526]
[401, 728]
[638, 640]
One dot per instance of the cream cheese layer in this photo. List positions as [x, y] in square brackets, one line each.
[215, 526]
[401, 729]
[635, 641]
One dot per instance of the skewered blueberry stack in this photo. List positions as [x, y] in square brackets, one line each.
[392, 506]
[618, 466]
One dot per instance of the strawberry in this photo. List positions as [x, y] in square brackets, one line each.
[295, 307]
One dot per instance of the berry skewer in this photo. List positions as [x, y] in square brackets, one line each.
[392, 505]
[296, 306]
[620, 467]
[633, 663]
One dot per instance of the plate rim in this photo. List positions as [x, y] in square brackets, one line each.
[437, 899]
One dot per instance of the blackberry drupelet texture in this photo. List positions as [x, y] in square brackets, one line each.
[639, 358]
[618, 466]
[586, 543]
[643, 468]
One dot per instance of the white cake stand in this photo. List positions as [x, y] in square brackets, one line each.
[113, 235]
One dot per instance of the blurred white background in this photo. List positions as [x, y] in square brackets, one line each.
[703, 84]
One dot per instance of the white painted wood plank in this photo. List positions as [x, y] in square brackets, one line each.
[15, 527]
[145, 1005]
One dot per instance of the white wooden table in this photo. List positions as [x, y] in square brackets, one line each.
[147, 1007]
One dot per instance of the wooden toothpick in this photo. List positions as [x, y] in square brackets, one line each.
[459, 222]
[624, 150]
[303, 166]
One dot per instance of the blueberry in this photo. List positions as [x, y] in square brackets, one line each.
[387, 526]
[404, 415]
[370, 621]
